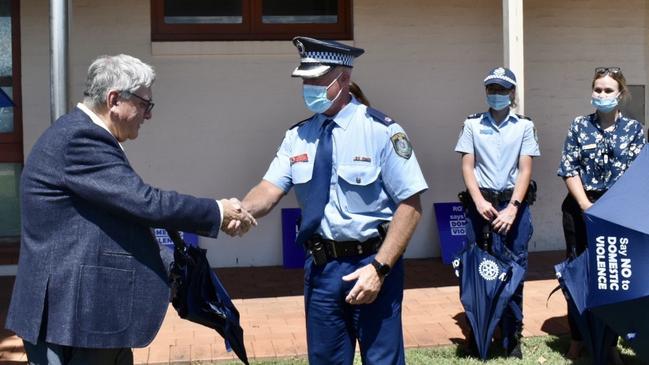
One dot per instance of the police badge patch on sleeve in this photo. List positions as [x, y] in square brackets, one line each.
[401, 145]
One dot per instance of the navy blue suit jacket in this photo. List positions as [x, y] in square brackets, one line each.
[90, 272]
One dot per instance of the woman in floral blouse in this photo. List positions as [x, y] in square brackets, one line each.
[598, 149]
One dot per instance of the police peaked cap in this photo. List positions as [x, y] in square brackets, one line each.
[501, 76]
[317, 57]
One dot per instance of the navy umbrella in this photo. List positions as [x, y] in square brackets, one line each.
[198, 295]
[572, 275]
[618, 243]
[5, 101]
[487, 283]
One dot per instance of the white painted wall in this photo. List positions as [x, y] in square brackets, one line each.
[222, 107]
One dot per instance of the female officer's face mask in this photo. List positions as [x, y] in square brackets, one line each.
[498, 101]
[605, 105]
[315, 97]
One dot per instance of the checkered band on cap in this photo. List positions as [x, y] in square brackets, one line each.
[327, 58]
[500, 73]
[502, 77]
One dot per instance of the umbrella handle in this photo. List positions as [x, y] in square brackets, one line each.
[176, 239]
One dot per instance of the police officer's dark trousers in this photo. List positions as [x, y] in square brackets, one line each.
[333, 326]
[516, 241]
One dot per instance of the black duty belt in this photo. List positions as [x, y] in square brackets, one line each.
[339, 249]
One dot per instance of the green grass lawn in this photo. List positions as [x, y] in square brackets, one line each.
[546, 350]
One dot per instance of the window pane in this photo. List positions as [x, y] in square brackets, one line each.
[5, 38]
[300, 11]
[10, 207]
[7, 114]
[203, 12]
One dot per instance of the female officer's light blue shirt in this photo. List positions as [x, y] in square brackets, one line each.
[497, 147]
[374, 169]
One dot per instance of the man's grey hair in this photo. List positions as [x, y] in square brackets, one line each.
[121, 73]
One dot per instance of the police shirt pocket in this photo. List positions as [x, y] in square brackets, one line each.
[301, 172]
[361, 188]
[105, 299]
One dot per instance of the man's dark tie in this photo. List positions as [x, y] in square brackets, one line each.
[313, 209]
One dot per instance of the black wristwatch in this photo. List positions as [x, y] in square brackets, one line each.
[381, 269]
[515, 203]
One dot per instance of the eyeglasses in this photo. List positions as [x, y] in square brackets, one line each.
[149, 102]
[605, 70]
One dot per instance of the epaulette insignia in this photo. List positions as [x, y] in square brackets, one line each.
[379, 116]
[301, 122]
[473, 116]
[521, 116]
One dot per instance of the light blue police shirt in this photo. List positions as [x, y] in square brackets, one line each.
[374, 169]
[497, 148]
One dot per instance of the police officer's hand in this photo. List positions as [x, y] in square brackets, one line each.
[505, 219]
[486, 210]
[367, 287]
[236, 220]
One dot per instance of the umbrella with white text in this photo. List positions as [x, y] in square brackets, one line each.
[618, 244]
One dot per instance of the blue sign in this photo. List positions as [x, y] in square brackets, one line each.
[451, 226]
[161, 235]
[5, 101]
[292, 253]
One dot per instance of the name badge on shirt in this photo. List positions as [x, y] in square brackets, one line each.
[486, 131]
[589, 146]
[299, 158]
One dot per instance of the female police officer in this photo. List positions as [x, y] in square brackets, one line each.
[497, 147]
[597, 151]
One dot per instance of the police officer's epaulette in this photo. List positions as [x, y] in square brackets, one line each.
[521, 116]
[379, 116]
[300, 122]
[476, 115]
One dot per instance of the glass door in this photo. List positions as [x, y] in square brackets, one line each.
[11, 146]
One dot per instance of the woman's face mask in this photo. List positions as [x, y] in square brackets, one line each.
[498, 101]
[606, 94]
[315, 96]
[605, 105]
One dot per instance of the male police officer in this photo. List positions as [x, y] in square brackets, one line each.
[354, 171]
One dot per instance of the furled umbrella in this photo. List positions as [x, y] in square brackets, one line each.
[198, 295]
[487, 284]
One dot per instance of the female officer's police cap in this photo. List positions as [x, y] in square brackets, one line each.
[317, 57]
[501, 76]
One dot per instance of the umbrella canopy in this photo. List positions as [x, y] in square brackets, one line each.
[5, 101]
[486, 284]
[198, 295]
[618, 243]
[594, 332]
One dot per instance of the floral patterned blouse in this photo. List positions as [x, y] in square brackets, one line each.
[600, 156]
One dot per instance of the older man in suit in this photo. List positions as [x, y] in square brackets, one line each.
[91, 283]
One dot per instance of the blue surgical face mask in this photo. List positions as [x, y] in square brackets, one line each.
[498, 102]
[604, 105]
[315, 97]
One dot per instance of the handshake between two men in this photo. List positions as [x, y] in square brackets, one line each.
[236, 220]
